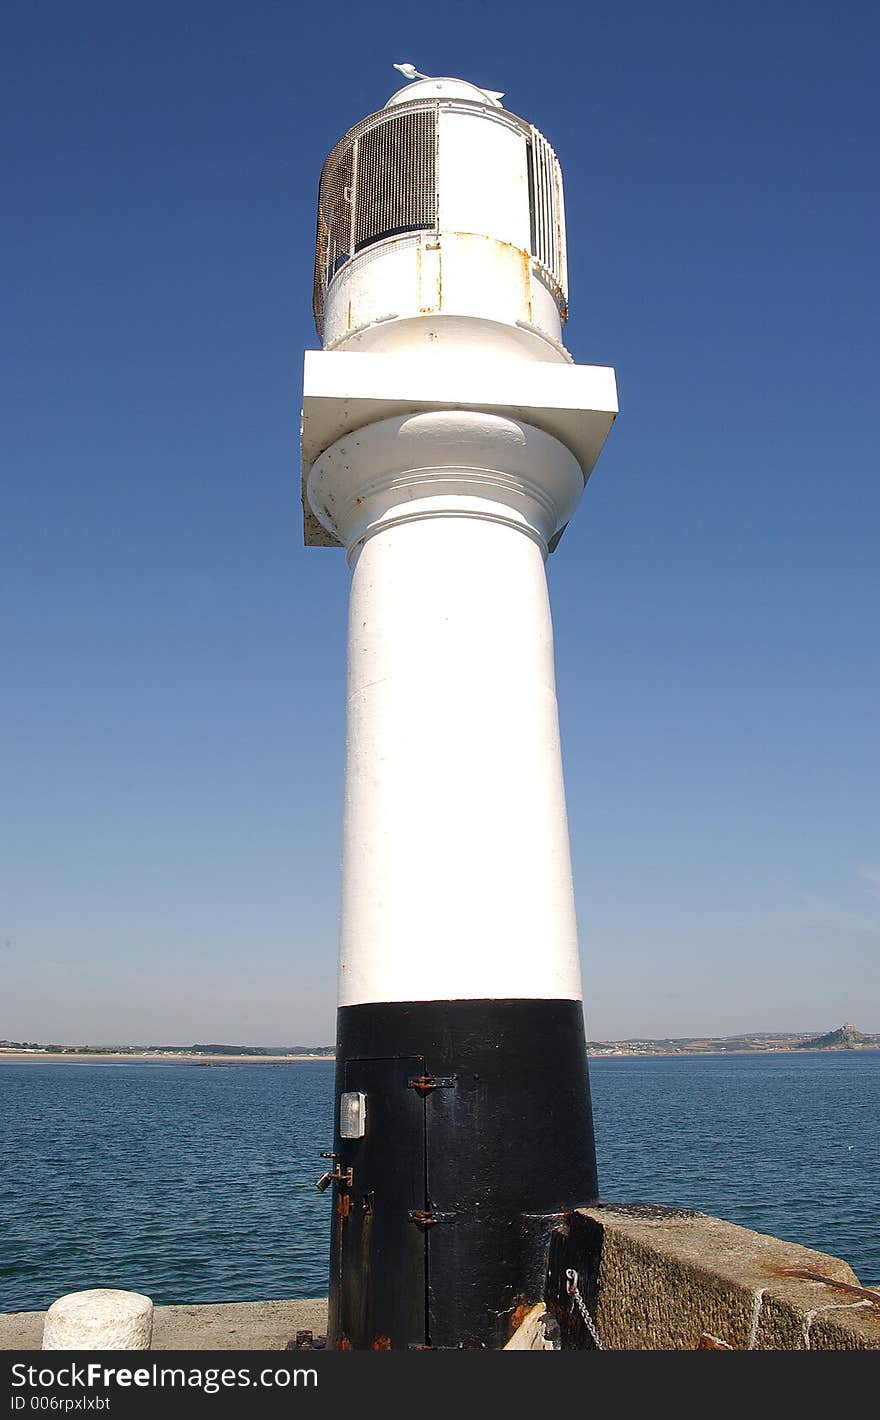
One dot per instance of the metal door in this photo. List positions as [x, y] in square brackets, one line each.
[381, 1245]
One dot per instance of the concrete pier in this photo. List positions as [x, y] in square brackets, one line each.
[218, 1326]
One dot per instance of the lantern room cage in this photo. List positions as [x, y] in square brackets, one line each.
[382, 181]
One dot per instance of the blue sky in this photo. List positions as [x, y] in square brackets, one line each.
[173, 657]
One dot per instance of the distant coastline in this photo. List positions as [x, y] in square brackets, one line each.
[845, 1037]
[84, 1057]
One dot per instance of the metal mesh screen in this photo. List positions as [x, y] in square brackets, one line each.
[379, 181]
[546, 209]
[333, 242]
[397, 178]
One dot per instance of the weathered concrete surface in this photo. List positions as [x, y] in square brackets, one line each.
[656, 1279]
[222, 1326]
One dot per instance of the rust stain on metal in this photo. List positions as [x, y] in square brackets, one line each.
[519, 1315]
[805, 1276]
[380, 1343]
[343, 1205]
[526, 262]
[345, 1344]
[423, 1084]
[426, 1219]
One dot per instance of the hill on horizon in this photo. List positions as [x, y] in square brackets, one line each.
[844, 1038]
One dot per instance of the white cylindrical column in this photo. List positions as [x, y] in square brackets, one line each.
[100, 1319]
[455, 830]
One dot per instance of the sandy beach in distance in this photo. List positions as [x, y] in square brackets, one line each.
[35, 1057]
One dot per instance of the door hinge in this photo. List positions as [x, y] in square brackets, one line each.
[424, 1083]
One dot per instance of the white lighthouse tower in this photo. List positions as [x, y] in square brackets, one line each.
[447, 437]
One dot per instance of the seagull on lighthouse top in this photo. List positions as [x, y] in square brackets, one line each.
[409, 71]
[447, 86]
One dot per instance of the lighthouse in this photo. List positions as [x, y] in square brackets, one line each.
[447, 437]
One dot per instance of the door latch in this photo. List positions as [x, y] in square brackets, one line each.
[424, 1083]
[344, 1177]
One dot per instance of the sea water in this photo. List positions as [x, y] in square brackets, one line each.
[195, 1183]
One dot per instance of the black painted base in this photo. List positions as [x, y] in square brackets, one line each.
[479, 1135]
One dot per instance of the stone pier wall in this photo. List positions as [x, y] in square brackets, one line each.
[657, 1279]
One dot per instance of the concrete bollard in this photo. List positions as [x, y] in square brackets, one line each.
[102, 1319]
